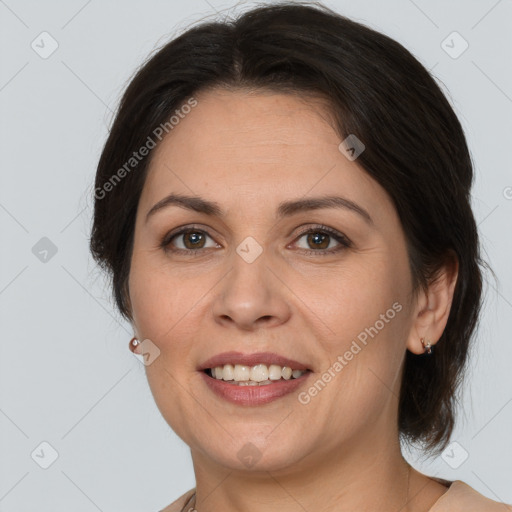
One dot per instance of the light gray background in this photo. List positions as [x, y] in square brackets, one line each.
[66, 375]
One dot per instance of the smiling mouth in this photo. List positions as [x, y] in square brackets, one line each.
[257, 375]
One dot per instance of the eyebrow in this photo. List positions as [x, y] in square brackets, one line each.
[285, 209]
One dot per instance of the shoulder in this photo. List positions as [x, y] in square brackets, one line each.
[460, 497]
[179, 504]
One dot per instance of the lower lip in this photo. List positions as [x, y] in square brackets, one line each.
[253, 395]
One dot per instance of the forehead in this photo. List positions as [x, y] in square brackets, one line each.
[250, 147]
[248, 125]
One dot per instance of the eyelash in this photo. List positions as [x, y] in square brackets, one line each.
[341, 239]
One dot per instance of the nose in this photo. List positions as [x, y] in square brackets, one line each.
[251, 296]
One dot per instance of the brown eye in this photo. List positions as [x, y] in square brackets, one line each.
[319, 239]
[187, 240]
[193, 239]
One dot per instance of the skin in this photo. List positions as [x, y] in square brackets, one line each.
[248, 152]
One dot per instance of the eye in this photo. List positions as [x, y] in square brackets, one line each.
[321, 238]
[192, 240]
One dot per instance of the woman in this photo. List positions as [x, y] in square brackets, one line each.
[283, 206]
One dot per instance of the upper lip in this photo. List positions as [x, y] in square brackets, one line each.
[266, 358]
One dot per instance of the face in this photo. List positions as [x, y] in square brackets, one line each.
[325, 287]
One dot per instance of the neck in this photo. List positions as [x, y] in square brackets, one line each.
[366, 477]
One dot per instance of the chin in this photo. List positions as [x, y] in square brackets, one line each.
[256, 453]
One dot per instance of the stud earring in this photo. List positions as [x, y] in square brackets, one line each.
[426, 345]
[134, 342]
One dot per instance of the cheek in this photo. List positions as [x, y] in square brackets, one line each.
[348, 298]
[365, 310]
[170, 308]
[163, 309]
[159, 297]
[360, 384]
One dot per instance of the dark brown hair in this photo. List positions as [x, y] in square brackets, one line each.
[415, 149]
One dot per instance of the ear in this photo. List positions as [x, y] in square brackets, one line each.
[433, 306]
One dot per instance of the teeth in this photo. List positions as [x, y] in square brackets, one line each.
[286, 372]
[259, 374]
[274, 372]
[228, 372]
[241, 373]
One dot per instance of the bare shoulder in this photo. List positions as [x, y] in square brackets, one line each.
[462, 497]
[179, 504]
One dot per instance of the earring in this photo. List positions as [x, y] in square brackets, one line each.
[427, 346]
[134, 342]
